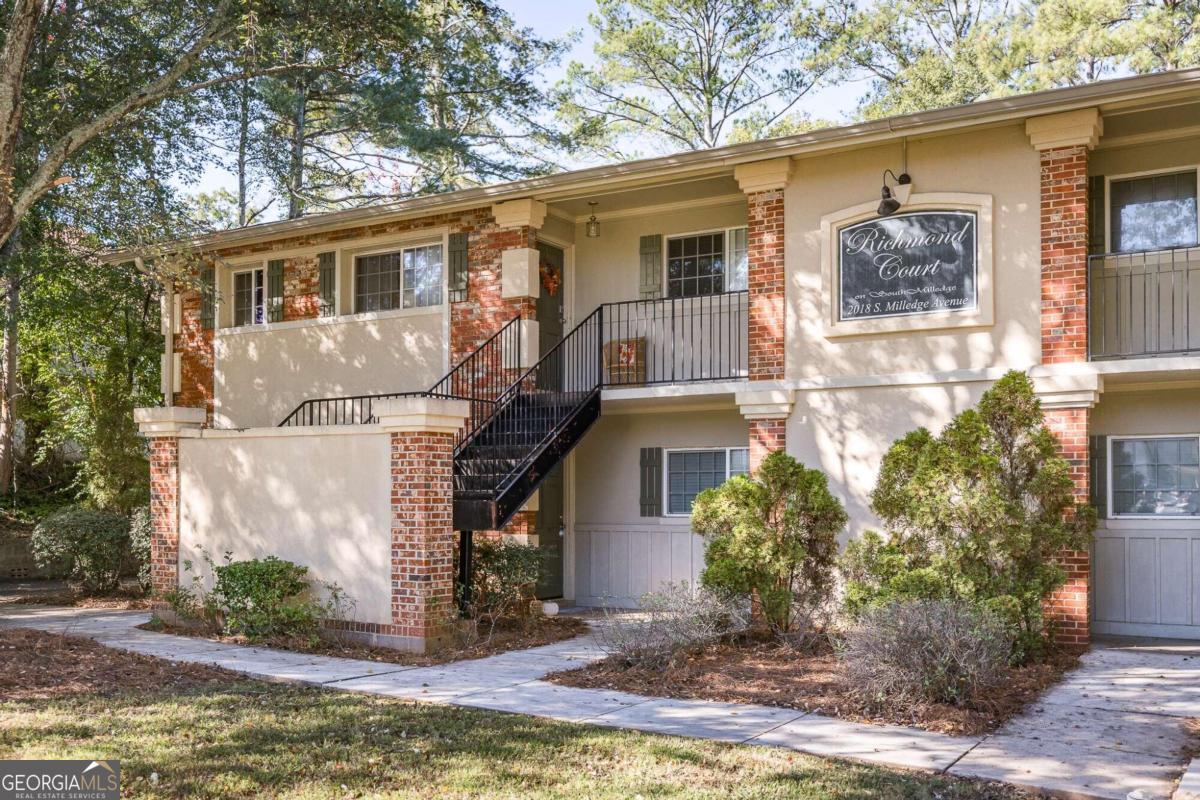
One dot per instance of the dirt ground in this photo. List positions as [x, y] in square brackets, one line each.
[775, 674]
[35, 665]
[508, 636]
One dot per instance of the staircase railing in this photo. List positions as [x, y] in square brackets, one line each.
[535, 408]
[480, 378]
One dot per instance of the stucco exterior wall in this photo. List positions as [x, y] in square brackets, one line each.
[619, 554]
[317, 496]
[608, 268]
[262, 374]
[846, 432]
[1000, 162]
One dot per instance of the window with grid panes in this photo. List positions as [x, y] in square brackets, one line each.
[690, 472]
[1156, 476]
[696, 265]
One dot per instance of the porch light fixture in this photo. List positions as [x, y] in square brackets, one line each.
[592, 229]
[888, 203]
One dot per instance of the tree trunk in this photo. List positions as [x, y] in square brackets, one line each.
[243, 144]
[8, 363]
[296, 166]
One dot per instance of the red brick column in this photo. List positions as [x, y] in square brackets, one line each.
[422, 432]
[767, 314]
[1068, 607]
[164, 427]
[1064, 204]
[766, 436]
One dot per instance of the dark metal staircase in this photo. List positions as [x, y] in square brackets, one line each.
[532, 426]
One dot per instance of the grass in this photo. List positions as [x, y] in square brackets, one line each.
[249, 739]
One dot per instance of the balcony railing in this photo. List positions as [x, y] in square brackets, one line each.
[675, 340]
[1144, 304]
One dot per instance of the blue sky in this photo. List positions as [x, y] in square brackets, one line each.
[557, 18]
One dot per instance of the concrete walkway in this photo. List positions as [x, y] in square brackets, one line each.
[1113, 726]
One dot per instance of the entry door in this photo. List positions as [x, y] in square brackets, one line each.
[550, 503]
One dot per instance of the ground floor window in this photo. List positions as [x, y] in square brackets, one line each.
[689, 472]
[249, 307]
[1155, 476]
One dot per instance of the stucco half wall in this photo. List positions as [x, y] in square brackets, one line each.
[315, 496]
[261, 374]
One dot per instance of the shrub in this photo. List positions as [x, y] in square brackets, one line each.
[263, 597]
[505, 576]
[977, 513]
[673, 620]
[774, 537]
[140, 529]
[935, 651]
[90, 545]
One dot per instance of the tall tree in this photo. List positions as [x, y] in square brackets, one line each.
[679, 74]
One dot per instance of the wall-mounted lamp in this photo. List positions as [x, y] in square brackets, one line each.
[592, 229]
[890, 201]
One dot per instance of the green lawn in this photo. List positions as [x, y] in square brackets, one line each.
[262, 740]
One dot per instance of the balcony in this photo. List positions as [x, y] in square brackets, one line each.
[1144, 304]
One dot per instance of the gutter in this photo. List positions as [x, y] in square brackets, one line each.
[721, 160]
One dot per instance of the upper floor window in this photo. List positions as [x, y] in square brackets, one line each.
[1153, 212]
[408, 278]
[707, 263]
[689, 472]
[249, 297]
[1155, 476]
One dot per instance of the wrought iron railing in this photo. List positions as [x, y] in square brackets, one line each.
[1144, 304]
[675, 340]
[479, 379]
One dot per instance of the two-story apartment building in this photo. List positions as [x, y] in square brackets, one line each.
[583, 353]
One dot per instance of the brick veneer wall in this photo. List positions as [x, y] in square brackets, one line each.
[767, 315]
[164, 513]
[1064, 204]
[485, 310]
[195, 347]
[422, 534]
[1068, 607]
[301, 288]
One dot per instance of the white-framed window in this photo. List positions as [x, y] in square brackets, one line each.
[691, 471]
[249, 297]
[1153, 211]
[711, 262]
[406, 278]
[1154, 476]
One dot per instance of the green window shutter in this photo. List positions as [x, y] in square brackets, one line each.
[1098, 458]
[208, 298]
[458, 275]
[275, 290]
[328, 284]
[652, 481]
[1096, 208]
[650, 252]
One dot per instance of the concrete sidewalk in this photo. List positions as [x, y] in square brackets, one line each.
[1113, 726]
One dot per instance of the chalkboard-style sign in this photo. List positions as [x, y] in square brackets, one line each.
[920, 262]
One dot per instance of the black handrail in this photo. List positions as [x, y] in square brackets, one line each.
[478, 378]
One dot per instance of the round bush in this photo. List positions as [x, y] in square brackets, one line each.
[935, 651]
[89, 545]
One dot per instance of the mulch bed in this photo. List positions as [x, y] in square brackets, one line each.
[774, 673]
[119, 601]
[508, 636]
[35, 665]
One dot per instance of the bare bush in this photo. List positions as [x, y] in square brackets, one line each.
[675, 619]
[936, 651]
